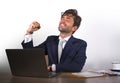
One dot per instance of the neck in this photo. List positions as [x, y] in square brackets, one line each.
[63, 35]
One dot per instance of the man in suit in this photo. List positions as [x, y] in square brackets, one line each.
[73, 56]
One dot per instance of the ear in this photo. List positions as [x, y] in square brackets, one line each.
[74, 28]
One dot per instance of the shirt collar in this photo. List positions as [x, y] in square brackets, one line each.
[66, 38]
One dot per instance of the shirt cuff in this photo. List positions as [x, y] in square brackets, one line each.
[27, 38]
[53, 67]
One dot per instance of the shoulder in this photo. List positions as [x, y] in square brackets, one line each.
[52, 37]
[79, 41]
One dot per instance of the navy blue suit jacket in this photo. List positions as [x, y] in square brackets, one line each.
[73, 56]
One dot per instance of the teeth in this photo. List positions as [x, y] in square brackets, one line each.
[62, 24]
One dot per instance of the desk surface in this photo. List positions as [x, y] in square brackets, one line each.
[62, 78]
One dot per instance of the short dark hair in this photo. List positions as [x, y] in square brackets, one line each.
[77, 18]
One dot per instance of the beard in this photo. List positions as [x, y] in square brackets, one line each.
[64, 30]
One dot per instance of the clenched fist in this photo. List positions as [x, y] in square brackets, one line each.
[34, 26]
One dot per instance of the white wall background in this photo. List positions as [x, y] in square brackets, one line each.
[100, 26]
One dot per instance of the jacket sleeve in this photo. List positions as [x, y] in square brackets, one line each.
[27, 45]
[30, 45]
[75, 64]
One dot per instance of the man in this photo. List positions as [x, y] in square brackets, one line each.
[73, 56]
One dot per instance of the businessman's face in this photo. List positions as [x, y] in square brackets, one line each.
[66, 24]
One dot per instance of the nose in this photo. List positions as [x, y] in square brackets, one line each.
[62, 20]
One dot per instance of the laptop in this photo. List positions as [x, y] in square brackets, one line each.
[28, 62]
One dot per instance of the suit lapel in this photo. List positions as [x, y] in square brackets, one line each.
[67, 49]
